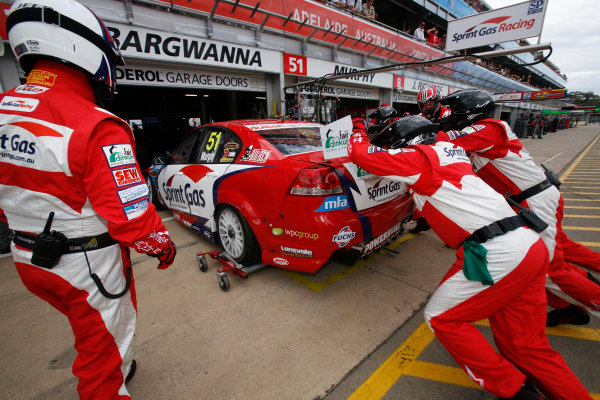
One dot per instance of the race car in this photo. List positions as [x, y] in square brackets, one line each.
[263, 191]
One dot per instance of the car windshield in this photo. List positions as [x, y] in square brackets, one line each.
[293, 140]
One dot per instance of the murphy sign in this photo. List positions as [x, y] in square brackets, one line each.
[520, 21]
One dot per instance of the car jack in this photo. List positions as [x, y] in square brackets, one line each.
[228, 265]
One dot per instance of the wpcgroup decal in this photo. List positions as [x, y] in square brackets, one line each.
[118, 154]
[344, 236]
[126, 176]
[301, 235]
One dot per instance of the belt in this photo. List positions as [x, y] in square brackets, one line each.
[535, 189]
[76, 245]
[497, 228]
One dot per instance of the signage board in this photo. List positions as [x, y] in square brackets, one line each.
[141, 43]
[335, 136]
[505, 24]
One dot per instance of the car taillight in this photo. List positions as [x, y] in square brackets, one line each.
[316, 181]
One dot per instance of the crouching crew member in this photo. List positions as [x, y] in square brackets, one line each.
[500, 265]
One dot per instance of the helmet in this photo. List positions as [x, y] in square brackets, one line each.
[468, 106]
[413, 129]
[65, 31]
[428, 100]
[384, 115]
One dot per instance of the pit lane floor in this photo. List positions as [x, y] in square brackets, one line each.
[277, 334]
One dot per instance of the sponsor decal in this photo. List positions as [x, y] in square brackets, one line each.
[30, 89]
[231, 146]
[381, 239]
[375, 149]
[535, 6]
[344, 236]
[40, 77]
[133, 193]
[333, 203]
[280, 261]
[335, 136]
[15, 143]
[118, 154]
[292, 252]
[136, 209]
[255, 155]
[301, 235]
[457, 152]
[380, 192]
[18, 104]
[126, 176]
[184, 195]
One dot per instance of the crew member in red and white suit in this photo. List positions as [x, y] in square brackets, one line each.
[500, 265]
[501, 161]
[428, 101]
[62, 153]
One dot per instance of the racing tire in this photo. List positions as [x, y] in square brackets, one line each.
[236, 237]
[152, 194]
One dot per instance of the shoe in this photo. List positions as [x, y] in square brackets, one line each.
[131, 371]
[527, 392]
[422, 225]
[571, 315]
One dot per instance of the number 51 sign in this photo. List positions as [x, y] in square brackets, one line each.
[295, 65]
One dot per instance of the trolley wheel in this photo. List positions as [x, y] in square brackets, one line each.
[224, 282]
[202, 264]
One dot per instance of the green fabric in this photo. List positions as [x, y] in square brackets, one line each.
[475, 264]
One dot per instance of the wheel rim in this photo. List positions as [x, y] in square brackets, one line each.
[231, 233]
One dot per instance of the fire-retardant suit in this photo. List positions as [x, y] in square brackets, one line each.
[499, 158]
[458, 205]
[62, 154]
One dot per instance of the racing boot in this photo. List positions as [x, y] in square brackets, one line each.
[422, 225]
[131, 371]
[527, 392]
[571, 315]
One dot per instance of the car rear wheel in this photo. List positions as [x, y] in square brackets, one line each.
[236, 237]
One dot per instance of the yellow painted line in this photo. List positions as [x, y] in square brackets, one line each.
[581, 228]
[570, 331]
[586, 193]
[578, 159]
[579, 187]
[583, 208]
[384, 377]
[440, 373]
[580, 216]
[590, 244]
[581, 199]
[317, 286]
[595, 396]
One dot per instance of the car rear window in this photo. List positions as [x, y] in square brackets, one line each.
[295, 140]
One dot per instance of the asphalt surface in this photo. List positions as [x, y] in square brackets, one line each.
[285, 335]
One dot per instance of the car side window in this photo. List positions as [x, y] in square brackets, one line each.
[218, 145]
[181, 153]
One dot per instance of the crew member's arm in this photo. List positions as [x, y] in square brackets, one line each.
[474, 138]
[116, 189]
[401, 163]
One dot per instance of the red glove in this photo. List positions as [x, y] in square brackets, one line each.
[359, 125]
[158, 244]
[167, 256]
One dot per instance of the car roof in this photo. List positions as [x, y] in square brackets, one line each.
[262, 124]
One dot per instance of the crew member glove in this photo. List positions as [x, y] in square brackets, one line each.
[359, 125]
[167, 256]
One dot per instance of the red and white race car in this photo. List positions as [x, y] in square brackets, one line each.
[263, 190]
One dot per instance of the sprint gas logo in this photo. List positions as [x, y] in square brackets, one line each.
[492, 26]
[18, 104]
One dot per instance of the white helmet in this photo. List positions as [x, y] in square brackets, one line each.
[65, 31]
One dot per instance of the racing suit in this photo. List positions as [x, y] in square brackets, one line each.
[60, 153]
[501, 161]
[457, 205]
[441, 114]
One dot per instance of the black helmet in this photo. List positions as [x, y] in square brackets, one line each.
[384, 115]
[468, 106]
[413, 129]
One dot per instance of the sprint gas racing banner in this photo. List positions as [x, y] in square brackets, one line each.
[519, 21]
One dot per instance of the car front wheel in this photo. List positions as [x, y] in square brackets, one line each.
[236, 237]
